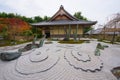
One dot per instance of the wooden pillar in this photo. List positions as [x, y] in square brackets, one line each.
[76, 31]
[69, 30]
[58, 32]
[53, 32]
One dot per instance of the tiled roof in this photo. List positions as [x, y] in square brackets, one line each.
[64, 22]
[100, 31]
[67, 20]
[112, 32]
[62, 11]
[97, 31]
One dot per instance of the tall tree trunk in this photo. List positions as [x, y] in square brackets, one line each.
[113, 38]
[104, 33]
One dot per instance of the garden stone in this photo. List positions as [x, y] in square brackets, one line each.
[33, 45]
[99, 46]
[28, 47]
[8, 56]
[97, 52]
[116, 72]
[42, 41]
[105, 46]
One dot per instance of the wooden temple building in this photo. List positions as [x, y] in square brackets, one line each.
[61, 20]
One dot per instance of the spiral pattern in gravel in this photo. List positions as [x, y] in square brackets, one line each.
[55, 62]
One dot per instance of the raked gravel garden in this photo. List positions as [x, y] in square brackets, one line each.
[57, 61]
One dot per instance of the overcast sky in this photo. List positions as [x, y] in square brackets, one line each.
[95, 10]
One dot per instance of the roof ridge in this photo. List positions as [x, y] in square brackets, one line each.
[64, 13]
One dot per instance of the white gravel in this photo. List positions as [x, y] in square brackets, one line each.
[62, 62]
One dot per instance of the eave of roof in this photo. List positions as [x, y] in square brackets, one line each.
[64, 22]
[112, 33]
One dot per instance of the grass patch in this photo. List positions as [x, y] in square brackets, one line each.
[4, 43]
[72, 42]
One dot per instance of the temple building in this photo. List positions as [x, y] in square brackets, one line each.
[55, 27]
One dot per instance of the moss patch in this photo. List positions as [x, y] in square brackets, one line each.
[72, 42]
[48, 42]
[105, 41]
[10, 43]
[116, 72]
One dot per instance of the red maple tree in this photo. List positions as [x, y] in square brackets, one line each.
[14, 26]
[14, 22]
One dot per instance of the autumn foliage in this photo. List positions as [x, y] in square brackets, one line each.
[13, 27]
[14, 24]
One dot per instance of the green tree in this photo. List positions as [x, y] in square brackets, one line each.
[87, 29]
[11, 15]
[38, 19]
[4, 33]
[24, 18]
[3, 15]
[37, 31]
[30, 20]
[79, 16]
[46, 18]
[27, 33]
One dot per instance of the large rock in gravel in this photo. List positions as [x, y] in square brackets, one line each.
[8, 56]
[116, 72]
[28, 47]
